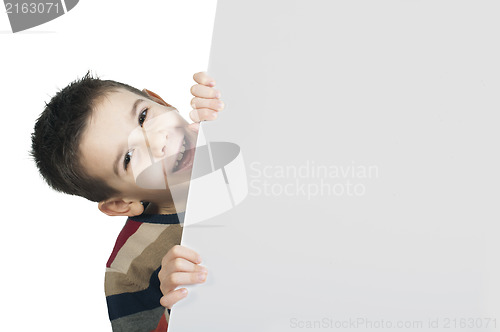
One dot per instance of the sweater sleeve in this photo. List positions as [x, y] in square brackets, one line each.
[131, 311]
[132, 286]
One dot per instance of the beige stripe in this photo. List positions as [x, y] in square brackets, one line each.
[136, 244]
[143, 266]
[117, 283]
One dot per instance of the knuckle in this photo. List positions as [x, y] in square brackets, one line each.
[176, 250]
[166, 301]
[164, 261]
[171, 279]
[161, 274]
[163, 289]
[194, 115]
[177, 263]
[166, 258]
[218, 105]
[209, 114]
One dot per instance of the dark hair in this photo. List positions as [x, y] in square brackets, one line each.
[57, 135]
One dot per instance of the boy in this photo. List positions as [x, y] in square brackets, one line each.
[94, 138]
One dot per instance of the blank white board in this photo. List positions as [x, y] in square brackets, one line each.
[369, 134]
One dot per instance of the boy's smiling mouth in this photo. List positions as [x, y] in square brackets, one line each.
[180, 155]
[185, 155]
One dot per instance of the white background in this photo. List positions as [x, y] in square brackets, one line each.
[54, 247]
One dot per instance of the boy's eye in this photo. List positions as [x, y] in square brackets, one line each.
[126, 160]
[128, 156]
[142, 117]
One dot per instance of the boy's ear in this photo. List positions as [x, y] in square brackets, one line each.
[118, 207]
[156, 97]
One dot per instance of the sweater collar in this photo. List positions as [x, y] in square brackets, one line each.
[176, 218]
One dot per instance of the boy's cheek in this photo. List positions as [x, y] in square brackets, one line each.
[152, 177]
[139, 166]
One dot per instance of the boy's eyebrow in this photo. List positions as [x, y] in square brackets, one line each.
[133, 111]
[120, 155]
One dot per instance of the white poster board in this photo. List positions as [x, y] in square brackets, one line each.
[369, 134]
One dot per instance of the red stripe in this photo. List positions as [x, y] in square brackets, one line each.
[130, 228]
[162, 325]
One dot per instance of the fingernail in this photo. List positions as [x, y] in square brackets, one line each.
[184, 291]
[203, 269]
[202, 276]
[217, 94]
[211, 83]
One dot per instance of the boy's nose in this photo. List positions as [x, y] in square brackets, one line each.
[156, 143]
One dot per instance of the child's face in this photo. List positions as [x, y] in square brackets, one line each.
[126, 134]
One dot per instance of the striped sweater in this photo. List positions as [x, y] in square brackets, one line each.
[131, 281]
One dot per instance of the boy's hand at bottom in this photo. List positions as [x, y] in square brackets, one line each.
[180, 266]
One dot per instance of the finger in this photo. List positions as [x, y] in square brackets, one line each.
[202, 91]
[173, 297]
[183, 252]
[173, 280]
[176, 279]
[203, 78]
[203, 114]
[182, 265]
[215, 104]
